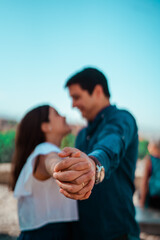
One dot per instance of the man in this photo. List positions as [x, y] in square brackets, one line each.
[109, 143]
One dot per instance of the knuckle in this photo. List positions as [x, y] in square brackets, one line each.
[67, 194]
[82, 192]
[88, 165]
[68, 176]
[76, 181]
[64, 177]
[92, 173]
[79, 181]
[77, 166]
[84, 159]
[65, 162]
[72, 189]
[88, 176]
[87, 196]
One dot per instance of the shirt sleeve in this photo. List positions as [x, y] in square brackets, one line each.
[113, 142]
[25, 180]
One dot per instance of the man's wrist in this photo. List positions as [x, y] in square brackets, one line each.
[99, 170]
[95, 160]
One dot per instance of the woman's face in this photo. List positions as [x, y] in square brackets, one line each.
[154, 150]
[58, 123]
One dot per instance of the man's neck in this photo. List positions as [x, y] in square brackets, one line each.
[99, 108]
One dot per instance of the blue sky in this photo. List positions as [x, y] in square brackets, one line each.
[42, 43]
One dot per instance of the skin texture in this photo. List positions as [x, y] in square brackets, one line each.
[75, 174]
[88, 105]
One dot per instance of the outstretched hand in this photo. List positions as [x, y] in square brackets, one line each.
[75, 175]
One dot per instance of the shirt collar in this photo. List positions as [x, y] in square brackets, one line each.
[104, 111]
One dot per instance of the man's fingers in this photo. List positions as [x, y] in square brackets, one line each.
[67, 162]
[68, 195]
[63, 154]
[69, 154]
[86, 196]
[88, 187]
[81, 189]
[68, 151]
[76, 154]
[69, 187]
[75, 196]
[80, 166]
[68, 176]
[86, 177]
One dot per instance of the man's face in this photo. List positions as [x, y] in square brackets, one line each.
[83, 101]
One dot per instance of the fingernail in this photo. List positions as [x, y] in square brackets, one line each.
[61, 153]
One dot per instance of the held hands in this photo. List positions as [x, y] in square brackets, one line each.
[75, 175]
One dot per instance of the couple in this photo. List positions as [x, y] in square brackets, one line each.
[99, 171]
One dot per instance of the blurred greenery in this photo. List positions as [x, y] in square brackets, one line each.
[142, 149]
[7, 145]
[68, 141]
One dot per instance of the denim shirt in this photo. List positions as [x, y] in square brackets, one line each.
[109, 212]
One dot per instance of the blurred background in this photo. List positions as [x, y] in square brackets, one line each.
[42, 43]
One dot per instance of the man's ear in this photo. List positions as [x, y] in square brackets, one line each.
[45, 127]
[98, 90]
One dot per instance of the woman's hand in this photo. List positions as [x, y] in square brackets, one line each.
[75, 174]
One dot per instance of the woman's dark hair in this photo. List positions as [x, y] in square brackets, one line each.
[88, 78]
[28, 136]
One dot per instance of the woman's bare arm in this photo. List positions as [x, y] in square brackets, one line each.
[44, 166]
[144, 184]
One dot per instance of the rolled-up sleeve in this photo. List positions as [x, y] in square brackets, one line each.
[113, 141]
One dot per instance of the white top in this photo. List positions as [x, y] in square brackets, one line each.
[40, 202]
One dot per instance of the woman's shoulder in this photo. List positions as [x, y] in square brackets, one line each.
[45, 148]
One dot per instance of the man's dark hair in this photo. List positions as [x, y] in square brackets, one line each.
[88, 78]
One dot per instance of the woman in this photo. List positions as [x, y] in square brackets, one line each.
[150, 187]
[44, 213]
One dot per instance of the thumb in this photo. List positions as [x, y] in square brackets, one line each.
[67, 151]
[64, 154]
[76, 154]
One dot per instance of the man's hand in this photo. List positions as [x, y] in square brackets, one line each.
[75, 174]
